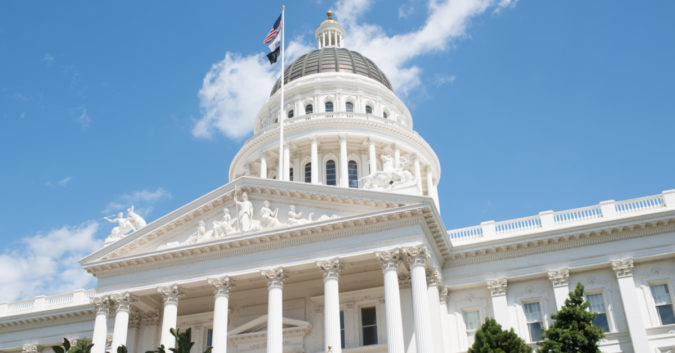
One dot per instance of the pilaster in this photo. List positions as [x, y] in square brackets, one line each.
[560, 280]
[497, 289]
[624, 274]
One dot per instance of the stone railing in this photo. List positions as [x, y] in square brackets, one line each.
[79, 297]
[333, 115]
[547, 220]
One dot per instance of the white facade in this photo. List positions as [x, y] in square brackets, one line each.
[364, 264]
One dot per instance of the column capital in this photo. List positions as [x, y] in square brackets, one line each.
[275, 277]
[150, 319]
[497, 286]
[102, 304]
[560, 278]
[171, 293]
[135, 319]
[221, 285]
[331, 268]
[443, 294]
[389, 258]
[434, 278]
[623, 267]
[417, 255]
[122, 301]
[30, 348]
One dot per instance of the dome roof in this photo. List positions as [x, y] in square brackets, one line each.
[332, 60]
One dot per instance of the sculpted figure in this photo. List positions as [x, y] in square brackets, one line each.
[269, 217]
[295, 218]
[137, 221]
[199, 236]
[124, 226]
[245, 212]
[224, 227]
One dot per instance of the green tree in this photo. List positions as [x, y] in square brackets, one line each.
[573, 329]
[491, 338]
[82, 346]
[183, 343]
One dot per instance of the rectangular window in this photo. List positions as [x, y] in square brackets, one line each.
[664, 304]
[534, 320]
[342, 329]
[209, 338]
[472, 323]
[369, 326]
[597, 305]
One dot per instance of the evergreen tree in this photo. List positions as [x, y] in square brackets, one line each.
[573, 329]
[491, 338]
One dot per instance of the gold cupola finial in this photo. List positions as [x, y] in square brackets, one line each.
[329, 13]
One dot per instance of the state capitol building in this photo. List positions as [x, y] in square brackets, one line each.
[346, 247]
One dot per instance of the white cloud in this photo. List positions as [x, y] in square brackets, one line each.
[64, 182]
[47, 264]
[234, 89]
[48, 58]
[83, 118]
[142, 200]
[442, 79]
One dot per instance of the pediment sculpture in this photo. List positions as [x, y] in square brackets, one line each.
[391, 176]
[131, 223]
[245, 222]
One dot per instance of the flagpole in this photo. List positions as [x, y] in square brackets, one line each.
[282, 172]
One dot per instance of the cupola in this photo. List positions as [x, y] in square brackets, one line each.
[330, 33]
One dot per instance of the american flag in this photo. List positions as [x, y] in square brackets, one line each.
[274, 32]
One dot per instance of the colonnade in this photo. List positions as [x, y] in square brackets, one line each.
[425, 282]
[369, 160]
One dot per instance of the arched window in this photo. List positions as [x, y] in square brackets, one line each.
[369, 109]
[290, 113]
[308, 173]
[353, 171]
[309, 109]
[330, 173]
[385, 115]
[290, 174]
[349, 107]
[329, 107]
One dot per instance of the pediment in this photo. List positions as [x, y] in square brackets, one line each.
[268, 211]
[259, 325]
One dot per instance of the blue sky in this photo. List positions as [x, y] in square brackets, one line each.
[530, 106]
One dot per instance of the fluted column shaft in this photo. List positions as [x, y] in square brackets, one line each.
[417, 258]
[170, 295]
[344, 175]
[433, 283]
[263, 167]
[331, 304]
[372, 158]
[123, 306]
[100, 324]
[392, 300]
[314, 159]
[221, 290]
[275, 282]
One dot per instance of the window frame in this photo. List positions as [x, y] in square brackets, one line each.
[367, 107]
[542, 321]
[332, 106]
[355, 163]
[347, 104]
[361, 327]
[466, 329]
[311, 108]
[290, 114]
[666, 283]
[335, 172]
[600, 292]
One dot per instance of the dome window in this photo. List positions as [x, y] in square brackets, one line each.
[385, 115]
[349, 107]
[309, 109]
[353, 174]
[308, 173]
[330, 173]
[290, 113]
[369, 109]
[329, 107]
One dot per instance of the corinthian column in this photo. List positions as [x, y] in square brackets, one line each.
[434, 282]
[392, 300]
[102, 305]
[122, 302]
[331, 303]
[624, 275]
[275, 284]
[221, 291]
[560, 280]
[417, 259]
[497, 289]
[170, 295]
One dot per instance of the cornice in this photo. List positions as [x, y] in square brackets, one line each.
[559, 240]
[20, 320]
